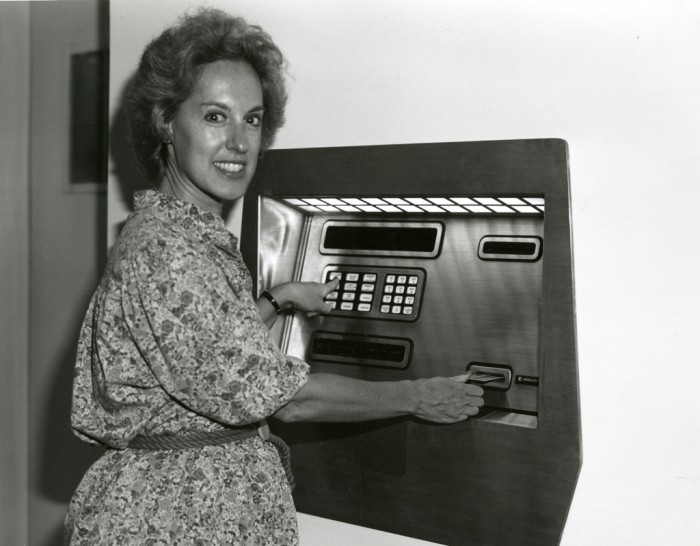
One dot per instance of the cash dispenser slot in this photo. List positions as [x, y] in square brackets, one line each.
[361, 350]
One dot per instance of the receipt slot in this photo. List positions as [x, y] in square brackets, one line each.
[450, 257]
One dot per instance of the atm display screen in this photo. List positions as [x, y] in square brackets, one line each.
[419, 239]
[412, 239]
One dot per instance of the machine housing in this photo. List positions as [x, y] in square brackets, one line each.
[452, 257]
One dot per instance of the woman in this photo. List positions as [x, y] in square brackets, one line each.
[176, 371]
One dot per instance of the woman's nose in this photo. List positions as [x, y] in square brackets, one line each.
[237, 138]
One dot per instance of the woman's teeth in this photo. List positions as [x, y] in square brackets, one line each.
[229, 167]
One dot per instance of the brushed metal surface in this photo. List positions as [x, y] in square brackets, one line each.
[279, 243]
[471, 310]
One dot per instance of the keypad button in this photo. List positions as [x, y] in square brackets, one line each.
[356, 292]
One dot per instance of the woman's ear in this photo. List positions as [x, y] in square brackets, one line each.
[163, 127]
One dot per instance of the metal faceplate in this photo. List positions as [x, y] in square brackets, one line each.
[465, 310]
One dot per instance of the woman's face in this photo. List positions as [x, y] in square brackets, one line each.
[215, 136]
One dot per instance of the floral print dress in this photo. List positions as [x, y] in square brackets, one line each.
[172, 342]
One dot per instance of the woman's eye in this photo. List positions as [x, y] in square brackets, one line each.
[214, 117]
[255, 121]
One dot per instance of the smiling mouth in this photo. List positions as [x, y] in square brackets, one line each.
[229, 167]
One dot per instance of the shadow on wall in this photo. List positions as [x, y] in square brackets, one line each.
[64, 458]
[125, 170]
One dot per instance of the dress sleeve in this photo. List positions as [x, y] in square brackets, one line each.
[202, 336]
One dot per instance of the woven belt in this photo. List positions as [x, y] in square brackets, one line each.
[216, 438]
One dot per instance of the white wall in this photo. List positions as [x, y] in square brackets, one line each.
[619, 80]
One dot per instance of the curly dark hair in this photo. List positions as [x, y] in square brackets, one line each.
[171, 64]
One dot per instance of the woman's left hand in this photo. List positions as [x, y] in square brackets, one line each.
[305, 296]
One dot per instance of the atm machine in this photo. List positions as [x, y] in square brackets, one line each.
[451, 257]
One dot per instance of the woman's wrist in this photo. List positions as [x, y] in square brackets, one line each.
[271, 299]
[408, 398]
[281, 294]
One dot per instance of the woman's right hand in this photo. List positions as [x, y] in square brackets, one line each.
[336, 399]
[446, 399]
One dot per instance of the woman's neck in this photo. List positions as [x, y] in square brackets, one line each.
[173, 182]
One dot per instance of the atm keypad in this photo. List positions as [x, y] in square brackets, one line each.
[382, 293]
